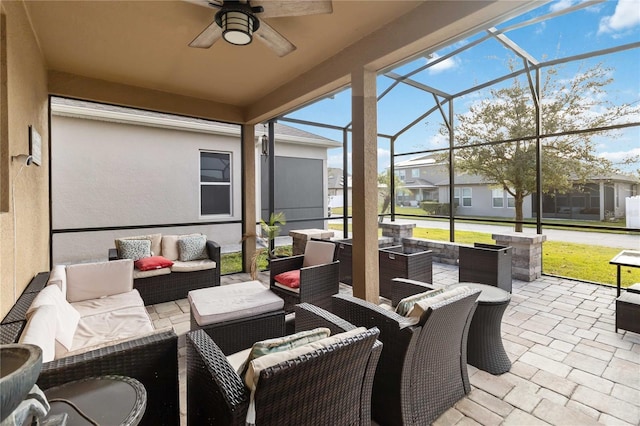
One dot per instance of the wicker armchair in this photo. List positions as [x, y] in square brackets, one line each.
[317, 283]
[330, 386]
[152, 360]
[423, 367]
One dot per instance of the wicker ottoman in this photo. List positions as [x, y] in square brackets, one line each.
[237, 315]
[484, 344]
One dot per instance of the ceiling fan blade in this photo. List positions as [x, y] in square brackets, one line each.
[279, 8]
[274, 40]
[206, 3]
[207, 37]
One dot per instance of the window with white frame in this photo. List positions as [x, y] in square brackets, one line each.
[401, 175]
[462, 197]
[415, 173]
[497, 198]
[215, 183]
[511, 201]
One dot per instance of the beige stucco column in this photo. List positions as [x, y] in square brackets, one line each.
[248, 194]
[365, 185]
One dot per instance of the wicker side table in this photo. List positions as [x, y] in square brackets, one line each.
[484, 344]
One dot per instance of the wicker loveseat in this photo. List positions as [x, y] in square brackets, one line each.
[423, 367]
[174, 282]
[150, 356]
[328, 386]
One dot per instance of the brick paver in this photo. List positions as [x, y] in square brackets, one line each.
[570, 367]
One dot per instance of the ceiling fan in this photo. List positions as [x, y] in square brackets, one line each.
[237, 21]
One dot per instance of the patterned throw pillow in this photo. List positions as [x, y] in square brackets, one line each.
[406, 304]
[285, 343]
[134, 249]
[192, 248]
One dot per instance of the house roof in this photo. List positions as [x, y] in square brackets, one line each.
[335, 178]
[112, 113]
[136, 53]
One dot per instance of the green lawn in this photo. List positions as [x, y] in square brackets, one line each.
[580, 261]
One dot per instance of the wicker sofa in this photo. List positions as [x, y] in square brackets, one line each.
[173, 283]
[149, 356]
[423, 367]
[330, 385]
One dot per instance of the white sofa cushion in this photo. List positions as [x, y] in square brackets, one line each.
[137, 273]
[40, 330]
[66, 316]
[94, 280]
[58, 276]
[228, 302]
[193, 265]
[61, 352]
[111, 303]
[111, 326]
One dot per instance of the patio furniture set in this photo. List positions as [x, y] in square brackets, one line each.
[241, 361]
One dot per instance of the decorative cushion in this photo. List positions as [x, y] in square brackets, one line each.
[285, 343]
[318, 253]
[406, 304]
[134, 249]
[152, 262]
[289, 278]
[421, 306]
[156, 239]
[66, 316]
[192, 248]
[170, 245]
[40, 331]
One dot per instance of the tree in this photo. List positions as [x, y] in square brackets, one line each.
[384, 189]
[509, 114]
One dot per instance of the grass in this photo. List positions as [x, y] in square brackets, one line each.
[232, 262]
[579, 261]
[400, 211]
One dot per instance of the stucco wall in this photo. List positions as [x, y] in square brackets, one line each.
[108, 174]
[27, 105]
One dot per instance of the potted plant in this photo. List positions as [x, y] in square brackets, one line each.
[269, 231]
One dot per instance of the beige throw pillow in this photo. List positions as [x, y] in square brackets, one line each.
[406, 304]
[421, 306]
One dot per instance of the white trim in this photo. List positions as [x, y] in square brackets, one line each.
[75, 111]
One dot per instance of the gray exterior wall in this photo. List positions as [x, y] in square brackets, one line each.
[107, 174]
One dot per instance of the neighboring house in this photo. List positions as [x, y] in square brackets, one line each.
[115, 167]
[336, 187]
[426, 179]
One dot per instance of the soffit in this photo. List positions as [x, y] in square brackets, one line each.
[145, 44]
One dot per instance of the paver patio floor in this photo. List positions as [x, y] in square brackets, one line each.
[570, 367]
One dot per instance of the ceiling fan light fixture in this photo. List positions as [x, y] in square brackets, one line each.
[237, 25]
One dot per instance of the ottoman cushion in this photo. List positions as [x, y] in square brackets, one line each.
[229, 302]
